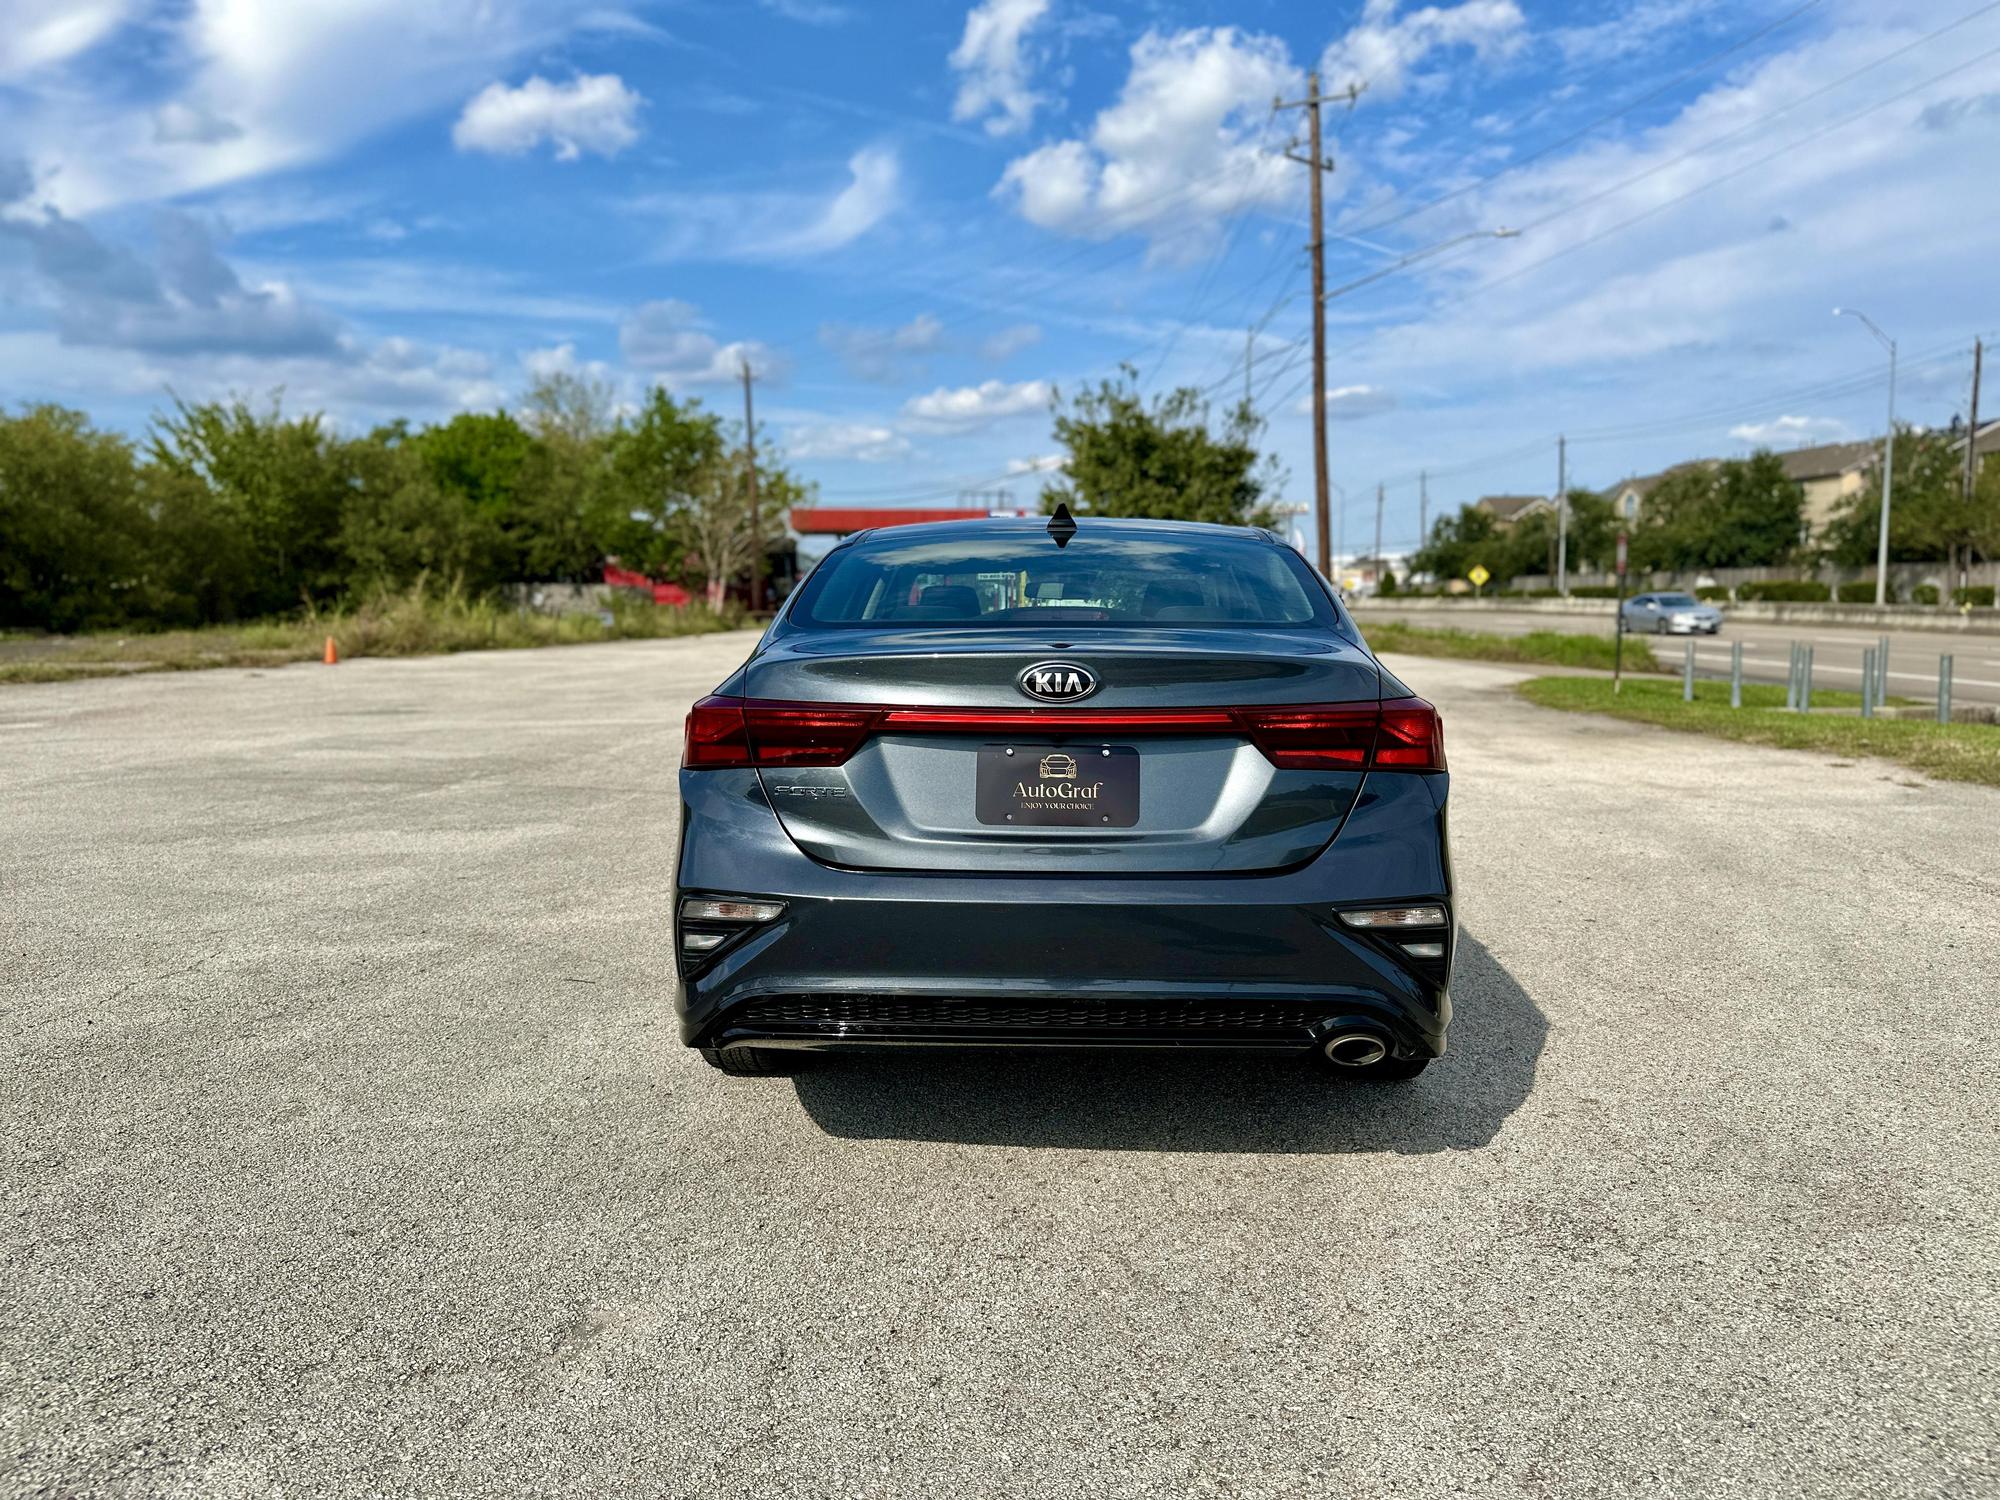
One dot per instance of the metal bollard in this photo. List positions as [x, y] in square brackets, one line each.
[1944, 689]
[1882, 669]
[1736, 675]
[1687, 676]
[1805, 682]
[1868, 682]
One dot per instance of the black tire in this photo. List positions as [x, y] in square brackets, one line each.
[749, 1062]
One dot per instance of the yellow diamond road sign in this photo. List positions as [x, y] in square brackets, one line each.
[1479, 575]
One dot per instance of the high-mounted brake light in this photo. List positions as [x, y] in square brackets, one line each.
[1403, 734]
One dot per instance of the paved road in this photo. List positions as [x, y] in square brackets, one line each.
[348, 1148]
[1767, 648]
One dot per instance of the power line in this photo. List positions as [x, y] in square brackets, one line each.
[1702, 187]
[1574, 136]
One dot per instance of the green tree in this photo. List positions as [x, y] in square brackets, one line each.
[1131, 458]
[1459, 541]
[401, 524]
[714, 523]
[1928, 515]
[659, 463]
[1740, 513]
[73, 533]
[280, 483]
[567, 516]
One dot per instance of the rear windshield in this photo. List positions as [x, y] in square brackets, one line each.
[1097, 580]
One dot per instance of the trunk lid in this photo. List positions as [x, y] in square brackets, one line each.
[1205, 801]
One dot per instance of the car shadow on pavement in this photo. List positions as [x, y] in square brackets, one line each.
[1173, 1101]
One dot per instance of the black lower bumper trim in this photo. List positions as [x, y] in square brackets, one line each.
[828, 1022]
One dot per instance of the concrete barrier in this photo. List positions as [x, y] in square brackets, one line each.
[1890, 617]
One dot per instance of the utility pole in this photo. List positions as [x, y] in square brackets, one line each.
[1379, 569]
[1964, 572]
[1562, 516]
[756, 531]
[1888, 456]
[1317, 164]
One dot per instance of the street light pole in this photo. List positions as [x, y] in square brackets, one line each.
[1888, 457]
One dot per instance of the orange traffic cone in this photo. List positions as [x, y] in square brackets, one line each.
[332, 657]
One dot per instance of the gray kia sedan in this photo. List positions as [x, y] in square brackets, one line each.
[1092, 783]
[1671, 614]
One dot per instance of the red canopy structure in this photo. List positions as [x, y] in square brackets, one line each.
[841, 520]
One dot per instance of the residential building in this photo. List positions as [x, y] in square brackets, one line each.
[1830, 473]
[1628, 496]
[1507, 510]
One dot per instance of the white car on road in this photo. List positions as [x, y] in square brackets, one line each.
[1671, 614]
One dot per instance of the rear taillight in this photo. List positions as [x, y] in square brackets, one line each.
[1329, 737]
[1403, 734]
[716, 736]
[1411, 738]
[807, 734]
[733, 732]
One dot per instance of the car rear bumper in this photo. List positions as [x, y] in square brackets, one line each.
[863, 960]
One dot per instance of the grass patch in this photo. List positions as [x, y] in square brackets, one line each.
[414, 622]
[1950, 752]
[1554, 648]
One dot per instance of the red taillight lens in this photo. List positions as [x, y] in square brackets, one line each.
[1336, 736]
[716, 736]
[807, 734]
[1412, 737]
[733, 732]
[1403, 734]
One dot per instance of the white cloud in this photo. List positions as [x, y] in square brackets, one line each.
[42, 33]
[1351, 403]
[883, 353]
[1790, 432]
[860, 441]
[1009, 342]
[1629, 32]
[301, 81]
[1180, 149]
[996, 66]
[1384, 50]
[1046, 463]
[179, 123]
[182, 299]
[767, 226]
[977, 405]
[666, 341]
[810, 12]
[592, 112]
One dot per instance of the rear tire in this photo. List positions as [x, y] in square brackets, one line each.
[749, 1062]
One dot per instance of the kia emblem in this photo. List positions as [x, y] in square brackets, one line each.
[1057, 681]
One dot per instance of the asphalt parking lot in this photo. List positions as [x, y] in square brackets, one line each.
[349, 1148]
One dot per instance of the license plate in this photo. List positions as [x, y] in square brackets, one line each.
[1095, 786]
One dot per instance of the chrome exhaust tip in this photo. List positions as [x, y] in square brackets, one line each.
[1355, 1049]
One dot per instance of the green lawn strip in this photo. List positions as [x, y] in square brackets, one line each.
[1950, 752]
[1538, 647]
[408, 624]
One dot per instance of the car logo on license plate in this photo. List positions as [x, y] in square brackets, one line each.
[1057, 681]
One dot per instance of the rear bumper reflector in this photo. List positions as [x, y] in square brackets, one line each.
[1399, 734]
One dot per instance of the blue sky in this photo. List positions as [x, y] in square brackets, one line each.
[918, 219]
